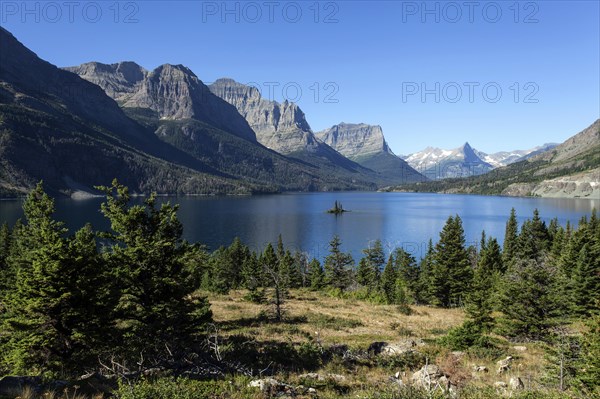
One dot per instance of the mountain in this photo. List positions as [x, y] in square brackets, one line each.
[436, 163]
[571, 169]
[176, 105]
[283, 127]
[173, 92]
[366, 145]
[504, 158]
[174, 136]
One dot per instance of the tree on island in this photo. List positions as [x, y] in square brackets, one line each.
[337, 208]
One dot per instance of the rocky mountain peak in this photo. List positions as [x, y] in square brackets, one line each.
[172, 91]
[355, 140]
[279, 126]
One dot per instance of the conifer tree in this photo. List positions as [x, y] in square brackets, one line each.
[451, 270]
[338, 272]
[316, 275]
[54, 312]
[276, 272]
[525, 299]
[369, 270]
[424, 291]
[155, 302]
[5, 239]
[479, 301]
[586, 279]
[533, 240]
[388, 281]
[408, 273]
[253, 278]
[588, 376]
[510, 238]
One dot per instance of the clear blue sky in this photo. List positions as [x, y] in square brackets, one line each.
[373, 58]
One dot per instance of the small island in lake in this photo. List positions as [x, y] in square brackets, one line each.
[337, 208]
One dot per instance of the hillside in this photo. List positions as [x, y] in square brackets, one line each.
[571, 169]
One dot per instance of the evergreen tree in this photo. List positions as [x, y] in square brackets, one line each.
[533, 240]
[253, 278]
[510, 238]
[526, 301]
[369, 270]
[5, 277]
[276, 272]
[451, 271]
[237, 253]
[338, 273]
[316, 275]
[155, 302]
[54, 320]
[586, 279]
[408, 273]
[479, 301]
[423, 293]
[588, 376]
[388, 281]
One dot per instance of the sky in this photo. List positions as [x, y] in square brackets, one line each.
[501, 75]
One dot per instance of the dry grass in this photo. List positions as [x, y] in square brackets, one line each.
[335, 321]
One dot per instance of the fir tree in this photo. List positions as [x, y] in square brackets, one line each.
[423, 293]
[55, 311]
[526, 301]
[479, 301]
[408, 273]
[369, 270]
[316, 275]
[155, 302]
[338, 273]
[451, 270]
[533, 240]
[388, 281]
[588, 376]
[510, 238]
[586, 279]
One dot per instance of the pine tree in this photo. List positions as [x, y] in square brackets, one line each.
[388, 281]
[423, 293]
[479, 301]
[5, 277]
[54, 311]
[510, 238]
[338, 273]
[451, 270]
[525, 300]
[155, 302]
[237, 253]
[253, 278]
[533, 240]
[586, 279]
[316, 275]
[276, 272]
[369, 270]
[408, 273]
[588, 376]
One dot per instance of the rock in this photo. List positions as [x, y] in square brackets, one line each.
[355, 140]
[520, 348]
[504, 364]
[515, 384]
[500, 385]
[12, 386]
[265, 384]
[458, 354]
[427, 376]
[480, 369]
[399, 348]
[312, 391]
[94, 384]
[281, 127]
[338, 350]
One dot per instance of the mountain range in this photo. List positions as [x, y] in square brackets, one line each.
[164, 130]
[437, 163]
[570, 169]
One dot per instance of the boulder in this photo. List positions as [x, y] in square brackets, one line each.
[500, 385]
[323, 377]
[13, 386]
[398, 348]
[516, 384]
[480, 369]
[520, 348]
[265, 384]
[93, 384]
[504, 364]
[427, 377]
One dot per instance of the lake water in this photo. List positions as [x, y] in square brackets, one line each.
[398, 219]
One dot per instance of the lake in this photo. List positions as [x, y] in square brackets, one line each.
[398, 219]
